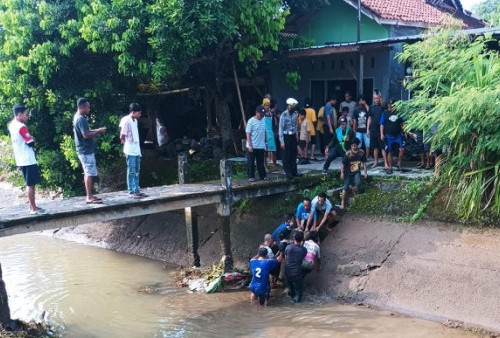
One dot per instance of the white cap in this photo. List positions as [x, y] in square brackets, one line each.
[291, 101]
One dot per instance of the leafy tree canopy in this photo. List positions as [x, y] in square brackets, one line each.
[488, 10]
[54, 51]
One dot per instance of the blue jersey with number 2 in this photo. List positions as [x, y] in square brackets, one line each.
[260, 275]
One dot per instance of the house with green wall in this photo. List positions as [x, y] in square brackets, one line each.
[336, 60]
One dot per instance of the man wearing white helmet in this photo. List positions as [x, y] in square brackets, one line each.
[288, 137]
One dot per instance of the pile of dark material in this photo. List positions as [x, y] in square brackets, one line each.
[204, 149]
[18, 328]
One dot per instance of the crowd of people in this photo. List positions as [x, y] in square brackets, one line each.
[292, 250]
[357, 134]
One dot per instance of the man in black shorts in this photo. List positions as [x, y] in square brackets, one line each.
[391, 131]
[377, 145]
[23, 145]
[350, 170]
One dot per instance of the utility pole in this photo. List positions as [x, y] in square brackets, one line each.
[361, 56]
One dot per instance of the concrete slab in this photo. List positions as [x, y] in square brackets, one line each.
[427, 270]
[409, 169]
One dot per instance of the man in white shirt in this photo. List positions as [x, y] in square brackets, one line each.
[23, 144]
[349, 104]
[129, 137]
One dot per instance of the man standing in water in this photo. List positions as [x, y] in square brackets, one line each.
[23, 144]
[295, 254]
[261, 267]
[84, 141]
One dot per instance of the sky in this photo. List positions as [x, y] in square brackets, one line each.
[469, 3]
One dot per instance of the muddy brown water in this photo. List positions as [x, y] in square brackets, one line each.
[92, 292]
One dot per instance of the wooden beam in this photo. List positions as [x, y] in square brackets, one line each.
[322, 51]
[239, 95]
[169, 92]
[191, 218]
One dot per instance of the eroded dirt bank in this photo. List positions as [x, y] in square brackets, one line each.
[428, 270]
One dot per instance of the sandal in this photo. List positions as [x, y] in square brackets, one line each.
[420, 165]
[94, 201]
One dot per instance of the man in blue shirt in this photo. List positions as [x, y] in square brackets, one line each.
[302, 213]
[261, 267]
[282, 232]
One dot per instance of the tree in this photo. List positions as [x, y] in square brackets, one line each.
[488, 10]
[54, 51]
[456, 86]
[45, 64]
[189, 40]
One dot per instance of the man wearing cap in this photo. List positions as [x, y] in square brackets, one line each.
[256, 144]
[288, 137]
[339, 143]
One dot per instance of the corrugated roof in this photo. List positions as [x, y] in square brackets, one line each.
[354, 46]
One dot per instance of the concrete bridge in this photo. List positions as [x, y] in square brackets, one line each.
[116, 205]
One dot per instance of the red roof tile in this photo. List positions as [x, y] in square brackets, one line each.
[415, 11]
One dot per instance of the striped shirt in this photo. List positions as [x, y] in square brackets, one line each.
[288, 124]
[257, 131]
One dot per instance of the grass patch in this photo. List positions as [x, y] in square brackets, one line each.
[398, 199]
